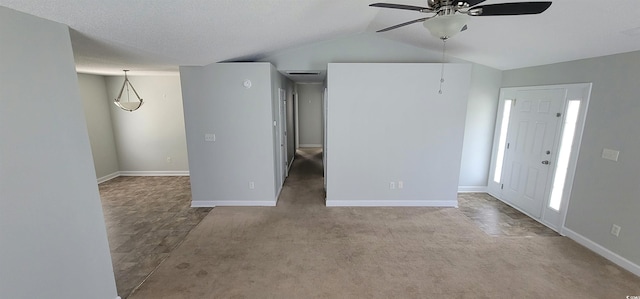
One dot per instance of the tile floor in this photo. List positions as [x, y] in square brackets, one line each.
[146, 218]
[499, 219]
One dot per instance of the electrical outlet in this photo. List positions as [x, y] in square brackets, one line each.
[615, 230]
[252, 185]
[210, 137]
[169, 160]
[400, 184]
[392, 185]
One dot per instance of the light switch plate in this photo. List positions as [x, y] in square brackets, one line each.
[209, 137]
[610, 154]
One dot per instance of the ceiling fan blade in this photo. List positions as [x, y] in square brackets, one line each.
[510, 9]
[399, 6]
[474, 2]
[404, 24]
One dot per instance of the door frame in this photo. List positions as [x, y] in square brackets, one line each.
[282, 132]
[578, 91]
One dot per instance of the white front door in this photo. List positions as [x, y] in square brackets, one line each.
[532, 142]
[535, 149]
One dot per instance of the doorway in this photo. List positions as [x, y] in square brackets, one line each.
[536, 144]
[309, 113]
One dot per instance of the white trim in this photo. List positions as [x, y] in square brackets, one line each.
[311, 145]
[155, 173]
[601, 250]
[108, 177]
[291, 163]
[575, 153]
[231, 203]
[118, 297]
[392, 203]
[203, 204]
[472, 189]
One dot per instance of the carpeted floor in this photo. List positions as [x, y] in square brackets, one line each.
[302, 249]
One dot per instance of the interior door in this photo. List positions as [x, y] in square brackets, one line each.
[532, 142]
[282, 102]
[284, 141]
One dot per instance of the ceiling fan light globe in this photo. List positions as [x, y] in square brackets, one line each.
[446, 26]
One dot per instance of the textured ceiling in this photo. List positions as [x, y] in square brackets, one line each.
[157, 36]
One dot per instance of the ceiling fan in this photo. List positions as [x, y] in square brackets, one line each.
[450, 16]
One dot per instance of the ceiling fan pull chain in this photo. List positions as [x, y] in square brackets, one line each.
[444, 49]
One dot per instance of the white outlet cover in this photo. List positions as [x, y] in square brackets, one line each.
[610, 154]
[615, 230]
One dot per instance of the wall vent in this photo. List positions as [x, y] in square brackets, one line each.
[303, 73]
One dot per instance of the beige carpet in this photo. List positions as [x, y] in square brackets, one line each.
[301, 249]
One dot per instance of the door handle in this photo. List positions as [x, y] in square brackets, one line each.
[545, 162]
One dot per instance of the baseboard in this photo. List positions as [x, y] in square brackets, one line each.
[155, 173]
[231, 203]
[310, 145]
[291, 164]
[118, 297]
[108, 177]
[599, 249]
[392, 203]
[203, 204]
[472, 189]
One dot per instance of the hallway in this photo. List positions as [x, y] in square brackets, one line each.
[304, 186]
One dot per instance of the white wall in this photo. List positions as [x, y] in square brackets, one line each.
[387, 123]
[147, 137]
[53, 241]
[216, 102]
[604, 192]
[93, 93]
[483, 94]
[310, 114]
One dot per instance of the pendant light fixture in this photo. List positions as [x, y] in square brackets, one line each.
[130, 104]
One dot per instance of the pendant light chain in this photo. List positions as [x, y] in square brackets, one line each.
[127, 80]
[444, 50]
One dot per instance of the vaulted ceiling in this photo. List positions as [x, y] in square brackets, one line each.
[160, 35]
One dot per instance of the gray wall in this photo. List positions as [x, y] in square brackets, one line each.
[147, 137]
[479, 127]
[53, 241]
[279, 81]
[483, 94]
[97, 113]
[387, 123]
[604, 192]
[216, 102]
[291, 123]
[310, 114]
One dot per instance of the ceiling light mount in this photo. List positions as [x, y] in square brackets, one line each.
[130, 104]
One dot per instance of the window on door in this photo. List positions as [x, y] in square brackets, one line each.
[502, 143]
[568, 133]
